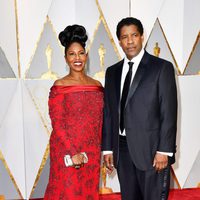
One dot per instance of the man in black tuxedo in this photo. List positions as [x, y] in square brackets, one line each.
[140, 118]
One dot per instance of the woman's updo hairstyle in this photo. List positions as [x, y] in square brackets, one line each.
[73, 33]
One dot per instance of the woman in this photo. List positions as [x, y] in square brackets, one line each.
[75, 108]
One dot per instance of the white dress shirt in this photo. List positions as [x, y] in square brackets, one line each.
[136, 60]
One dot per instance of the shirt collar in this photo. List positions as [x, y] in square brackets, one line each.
[136, 59]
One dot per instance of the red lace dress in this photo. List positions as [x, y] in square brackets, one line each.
[76, 116]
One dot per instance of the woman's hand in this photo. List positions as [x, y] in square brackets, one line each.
[78, 160]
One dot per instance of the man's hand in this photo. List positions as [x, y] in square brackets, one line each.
[160, 161]
[108, 160]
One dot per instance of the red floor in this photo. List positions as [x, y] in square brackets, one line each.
[185, 194]
[175, 194]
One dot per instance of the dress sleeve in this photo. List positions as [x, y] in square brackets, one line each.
[57, 114]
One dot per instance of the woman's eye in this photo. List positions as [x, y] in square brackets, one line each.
[71, 53]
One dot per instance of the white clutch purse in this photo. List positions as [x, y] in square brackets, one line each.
[68, 160]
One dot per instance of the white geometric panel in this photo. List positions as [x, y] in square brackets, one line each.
[32, 15]
[113, 11]
[8, 35]
[10, 87]
[171, 20]
[62, 13]
[39, 93]
[191, 27]
[12, 139]
[36, 139]
[158, 44]
[48, 60]
[102, 54]
[87, 14]
[5, 68]
[146, 12]
[43, 180]
[193, 65]
[74, 11]
[193, 179]
[188, 136]
[7, 186]
[113, 182]
[174, 184]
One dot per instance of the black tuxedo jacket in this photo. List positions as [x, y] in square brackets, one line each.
[150, 111]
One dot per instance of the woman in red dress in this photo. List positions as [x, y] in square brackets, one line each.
[75, 108]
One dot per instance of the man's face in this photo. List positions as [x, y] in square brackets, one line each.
[130, 41]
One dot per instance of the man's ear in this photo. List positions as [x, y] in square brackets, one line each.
[120, 43]
[142, 38]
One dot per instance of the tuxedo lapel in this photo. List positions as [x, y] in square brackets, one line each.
[138, 76]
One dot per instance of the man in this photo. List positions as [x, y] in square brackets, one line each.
[140, 116]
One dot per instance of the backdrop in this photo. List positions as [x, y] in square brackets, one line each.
[31, 58]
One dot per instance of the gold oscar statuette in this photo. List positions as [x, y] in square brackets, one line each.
[156, 50]
[198, 73]
[101, 52]
[2, 197]
[104, 189]
[198, 185]
[49, 74]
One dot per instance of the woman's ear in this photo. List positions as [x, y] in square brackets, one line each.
[86, 54]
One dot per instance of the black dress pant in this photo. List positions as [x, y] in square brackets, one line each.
[140, 185]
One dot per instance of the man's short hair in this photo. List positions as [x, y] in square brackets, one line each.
[127, 22]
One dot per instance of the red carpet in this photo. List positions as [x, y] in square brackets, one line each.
[185, 194]
[115, 196]
[175, 194]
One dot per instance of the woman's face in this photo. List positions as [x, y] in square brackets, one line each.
[76, 57]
